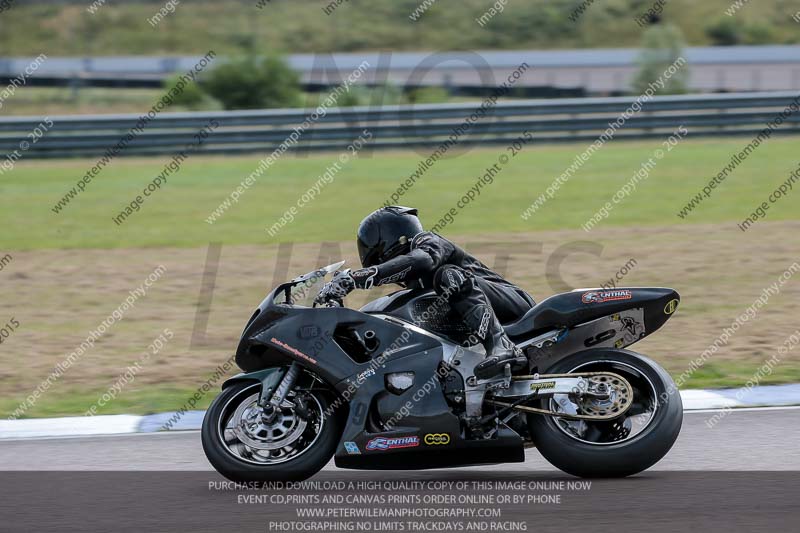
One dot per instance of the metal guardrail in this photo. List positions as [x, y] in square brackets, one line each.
[402, 126]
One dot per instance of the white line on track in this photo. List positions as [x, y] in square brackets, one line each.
[195, 431]
[105, 436]
[738, 409]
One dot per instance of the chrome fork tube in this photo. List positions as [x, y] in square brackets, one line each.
[281, 391]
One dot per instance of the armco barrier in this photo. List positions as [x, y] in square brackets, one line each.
[262, 131]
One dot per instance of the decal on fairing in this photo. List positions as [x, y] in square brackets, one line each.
[631, 328]
[671, 306]
[308, 332]
[598, 297]
[292, 350]
[352, 448]
[391, 443]
[435, 439]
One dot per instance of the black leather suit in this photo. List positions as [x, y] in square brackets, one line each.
[482, 297]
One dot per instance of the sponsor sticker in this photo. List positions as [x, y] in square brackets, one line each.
[543, 385]
[352, 448]
[435, 439]
[671, 306]
[631, 326]
[308, 332]
[392, 443]
[598, 297]
[292, 350]
[362, 377]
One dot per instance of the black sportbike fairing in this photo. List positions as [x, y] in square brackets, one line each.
[355, 353]
[400, 381]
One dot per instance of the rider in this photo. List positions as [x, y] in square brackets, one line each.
[394, 248]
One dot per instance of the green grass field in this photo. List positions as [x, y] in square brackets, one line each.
[49, 101]
[70, 270]
[67, 28]
[175, 215]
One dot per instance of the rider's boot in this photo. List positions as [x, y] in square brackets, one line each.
[500, 351]
[499, 348]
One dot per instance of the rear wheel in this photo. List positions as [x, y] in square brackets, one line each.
[621, 447]
[244, 444]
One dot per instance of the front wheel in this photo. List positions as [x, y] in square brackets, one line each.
[621, 447]
[245, 445]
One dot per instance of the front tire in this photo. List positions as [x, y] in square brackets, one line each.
[241, 447]
[626, 446]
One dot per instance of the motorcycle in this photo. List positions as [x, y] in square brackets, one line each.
[391, 386]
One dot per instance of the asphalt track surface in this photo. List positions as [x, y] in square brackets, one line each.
[742, 440]
[740, 475]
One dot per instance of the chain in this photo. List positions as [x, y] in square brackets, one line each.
[626, 397]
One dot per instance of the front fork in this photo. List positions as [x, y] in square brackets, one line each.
[274, 391]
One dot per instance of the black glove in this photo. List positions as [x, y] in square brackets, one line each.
[337, 288]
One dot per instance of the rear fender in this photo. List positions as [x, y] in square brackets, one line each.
[611, 323]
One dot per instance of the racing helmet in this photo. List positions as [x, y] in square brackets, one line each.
[387, 233]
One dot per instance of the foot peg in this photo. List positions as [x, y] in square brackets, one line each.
[493, 366]
[519, 362]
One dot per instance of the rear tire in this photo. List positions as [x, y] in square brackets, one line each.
[236, 468]
[607, 457]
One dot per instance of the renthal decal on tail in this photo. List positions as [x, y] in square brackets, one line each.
[597, 297]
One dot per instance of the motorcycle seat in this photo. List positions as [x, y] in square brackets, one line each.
[560, 310]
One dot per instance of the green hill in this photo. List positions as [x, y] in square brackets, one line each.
[67, 27]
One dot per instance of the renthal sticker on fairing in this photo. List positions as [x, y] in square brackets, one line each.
[292, 350]
[597, 297]
[385, 443]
